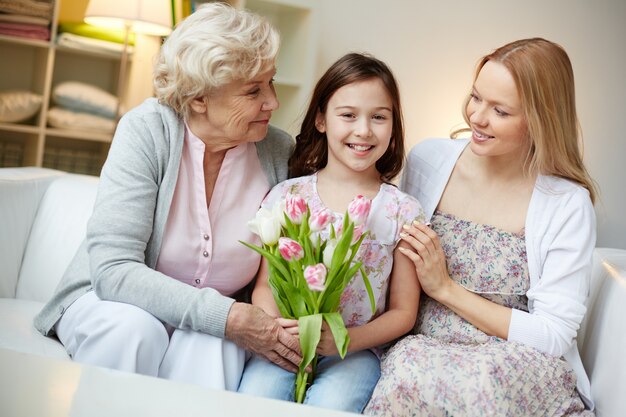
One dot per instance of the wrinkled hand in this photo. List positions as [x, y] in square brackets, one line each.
[251, 328]
[327, 345]
[428, 257]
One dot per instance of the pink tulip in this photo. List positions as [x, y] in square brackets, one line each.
[295, 207]
[315, 276]
[359, 209]
[320, 219]
[358, 231]
[289, 249]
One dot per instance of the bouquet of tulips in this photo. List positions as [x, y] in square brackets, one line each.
[308, 274]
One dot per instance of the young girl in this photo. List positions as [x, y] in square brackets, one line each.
[351, 143]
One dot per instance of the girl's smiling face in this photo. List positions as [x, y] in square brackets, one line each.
[358, 124]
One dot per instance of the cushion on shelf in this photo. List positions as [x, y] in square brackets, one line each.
[87, 98]
[68, 119]
[17, 106]
[96, 32]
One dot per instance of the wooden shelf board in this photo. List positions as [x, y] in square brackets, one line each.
[79, 134]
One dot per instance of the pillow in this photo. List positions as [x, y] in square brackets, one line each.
[82, 97]
[68, 119]
[17, 106]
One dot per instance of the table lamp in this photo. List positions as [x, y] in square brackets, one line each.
[152, 17]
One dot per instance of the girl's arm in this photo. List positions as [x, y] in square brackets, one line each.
[397, 320]
[262, 293]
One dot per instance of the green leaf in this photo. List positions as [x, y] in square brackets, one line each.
[295, 300]
[340, 333]
[349, 274]
[310, 329]
[276, 285]
[368, 287]
[343, 245]
[331, 300]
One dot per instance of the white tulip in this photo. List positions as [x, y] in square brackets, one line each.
[266, 225]
[329, 251]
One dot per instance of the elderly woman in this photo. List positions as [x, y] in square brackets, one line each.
[152, 288]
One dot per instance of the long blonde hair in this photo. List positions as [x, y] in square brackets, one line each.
[545, 81]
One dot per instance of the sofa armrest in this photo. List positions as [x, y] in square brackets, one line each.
[57, 232]
[21, 190]
[602, 339]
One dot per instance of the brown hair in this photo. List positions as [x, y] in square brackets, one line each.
[545, 82]
[311, 152]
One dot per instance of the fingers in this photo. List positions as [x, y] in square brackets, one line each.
[421, 237]
[294, 331]
[289, 347]
[287, 323]
[413, 256]
[280, 361]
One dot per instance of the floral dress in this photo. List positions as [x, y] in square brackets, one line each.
[390, 210]
[450, 367]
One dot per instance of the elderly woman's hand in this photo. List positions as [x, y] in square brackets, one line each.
[252, 329]
[428, 257]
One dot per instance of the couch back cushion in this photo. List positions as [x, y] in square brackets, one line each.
[21, 190]
[602, 336]
[57, 231]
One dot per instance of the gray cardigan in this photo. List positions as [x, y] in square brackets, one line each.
[124, 234]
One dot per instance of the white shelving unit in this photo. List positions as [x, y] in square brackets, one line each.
[38, 66]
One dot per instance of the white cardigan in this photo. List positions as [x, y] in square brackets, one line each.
[560, 235]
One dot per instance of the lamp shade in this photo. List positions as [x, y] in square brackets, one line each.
[153, 17]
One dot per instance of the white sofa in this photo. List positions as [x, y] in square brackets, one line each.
[43, 214]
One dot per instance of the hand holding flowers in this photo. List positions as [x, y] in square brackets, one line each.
[307, 274]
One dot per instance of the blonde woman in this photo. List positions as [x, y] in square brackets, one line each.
[506, 260]
[152, 290]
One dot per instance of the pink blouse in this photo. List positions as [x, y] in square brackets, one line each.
[188, 252]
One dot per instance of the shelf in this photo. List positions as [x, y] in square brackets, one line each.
[74, 155]
[95, 54]
[19, 127]
[25, 41]
[87, 135]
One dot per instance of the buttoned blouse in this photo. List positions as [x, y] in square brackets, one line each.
[201, 241]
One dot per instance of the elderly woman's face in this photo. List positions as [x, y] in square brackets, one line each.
[236, 112]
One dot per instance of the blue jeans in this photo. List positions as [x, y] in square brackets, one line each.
[339, 384]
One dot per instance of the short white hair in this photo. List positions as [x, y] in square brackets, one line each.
[210, 48]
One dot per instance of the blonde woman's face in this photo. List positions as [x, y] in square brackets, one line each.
[495, 114]
[237, 112]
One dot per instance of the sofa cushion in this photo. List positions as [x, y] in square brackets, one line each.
[17, 331]
[57, 231]
[21, 190]
[602, 337]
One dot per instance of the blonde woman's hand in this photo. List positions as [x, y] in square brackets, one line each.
[422, 246]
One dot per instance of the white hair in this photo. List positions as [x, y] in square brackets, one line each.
[210, 48]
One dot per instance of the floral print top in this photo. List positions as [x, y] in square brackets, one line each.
[483, 259]
[390, 210]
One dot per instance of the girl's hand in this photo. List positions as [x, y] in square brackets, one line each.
[327, 346]
[290, 325]
[428, 257]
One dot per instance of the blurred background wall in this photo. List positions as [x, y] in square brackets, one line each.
[433, 46]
